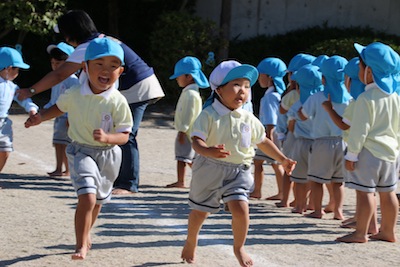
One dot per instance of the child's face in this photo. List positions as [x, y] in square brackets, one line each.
[55, 63]
[235, 93]
[10, 73]
[184, 80]
[264, 80]
[347, 82]
[103, 72]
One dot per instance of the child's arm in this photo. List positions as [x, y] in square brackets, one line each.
[43, 115]
[201, 147]
[336, 118]
[110, 138]
[301, 115]
[270, 149]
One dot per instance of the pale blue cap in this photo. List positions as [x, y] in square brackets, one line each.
[191, 65]
[352, 69]
[275, 68]
[230, 70]
[104, 47]
[10, 57]
[384, 63]
[309, 79]
[64, 47]
[299, 61]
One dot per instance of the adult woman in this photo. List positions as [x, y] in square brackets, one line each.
[138, 84]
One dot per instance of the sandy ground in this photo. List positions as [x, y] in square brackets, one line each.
[149, 228]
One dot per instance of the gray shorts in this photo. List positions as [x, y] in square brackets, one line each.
[261, 156]
[215, 180]
[60, 131]
[6, 135]
[372, 174]
[287, 145]
[184, 152]
[326, 161]
[300, 153]
[94, 169]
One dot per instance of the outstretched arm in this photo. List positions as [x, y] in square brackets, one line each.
[201, 147]
[43, 115]
[270, 149]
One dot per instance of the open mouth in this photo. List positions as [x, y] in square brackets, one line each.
[103, 80]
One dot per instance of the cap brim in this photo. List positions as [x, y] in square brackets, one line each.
[359, 48]
[50, 47]
[243, 71]
[22, 66]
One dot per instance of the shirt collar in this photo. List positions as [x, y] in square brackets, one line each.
[222, 110]
[270, 90]
[370, 86]
[191, 86]
[85, 90]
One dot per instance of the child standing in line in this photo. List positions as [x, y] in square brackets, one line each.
[223, 135]
[373, 143]
[326, 155]
[308, 82]
[10, 63]
[99, 120]
[189, 76]
[271, 72]
[58, 54]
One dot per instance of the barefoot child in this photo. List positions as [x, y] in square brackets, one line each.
[10, 63]
[58, 54]
[223, 135]
[189, 76]
[373, 143]
[99, 121]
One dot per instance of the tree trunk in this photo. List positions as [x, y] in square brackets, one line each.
[113, 16]
[225, 26]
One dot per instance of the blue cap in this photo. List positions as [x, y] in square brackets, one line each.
[192, 66]
[333, 71]
[275, 68]
[230, 70]
[384, 63]
[309, 79]
[104, 47]
[356, 86]
[66, 48]
[319, 60]
[299, 61]
[10, 57]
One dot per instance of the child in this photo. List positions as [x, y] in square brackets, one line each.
[308, 82]
[373, 143]
[189, 76]
[99, 120]
[326, 156]
[223, 135]
[58, 54]
[10, 63]
[271, 72]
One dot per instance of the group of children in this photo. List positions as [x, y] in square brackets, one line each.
[307, 118]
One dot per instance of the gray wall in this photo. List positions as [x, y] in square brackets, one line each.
[270, 17]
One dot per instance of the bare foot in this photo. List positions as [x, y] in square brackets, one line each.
[329, 208]
[65, 173]
[297, 210]
[255, 195]
[120, 191]
[353, 238]
[349, 220]
[351, 225]
[55, 173]
[314, 215]
[188, 253]
[293, 203]
[176, 185]
[243, 258]
[338, 217]
[80, 254]
[281, 205]
[275, 197]
[384, 237]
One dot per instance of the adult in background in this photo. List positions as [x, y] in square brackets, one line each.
[138, 84]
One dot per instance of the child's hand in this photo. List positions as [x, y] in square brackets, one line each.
[289, 165]
[218, 151]
[327, 105]
[34, 119]
[350, 165]
[100, 136]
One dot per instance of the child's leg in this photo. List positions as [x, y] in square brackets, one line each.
[316, 194]
[364, 212]
[338, 196]
[59, 160]
[65, 160]
[331, 204]
[3, 159]
[95, 214]
[196, 219]
[240, 227]
[286, 188]
[83, 224]
[258, 178]
[389, 210]
[301, 198]
[279, 171]
[181, 172]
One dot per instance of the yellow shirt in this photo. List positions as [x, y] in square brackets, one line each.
[239, 130]
[87, 112]
[289, 99]
[346, 118]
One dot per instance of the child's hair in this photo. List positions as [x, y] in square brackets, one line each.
[77, 26]
[57, 54]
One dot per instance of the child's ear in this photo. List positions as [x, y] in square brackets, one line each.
[84, 64]
[121, 70]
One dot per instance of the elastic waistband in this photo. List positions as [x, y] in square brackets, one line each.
[74, 143]
[224, 163]
[329, 138]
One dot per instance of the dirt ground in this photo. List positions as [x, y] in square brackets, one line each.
[149, 228]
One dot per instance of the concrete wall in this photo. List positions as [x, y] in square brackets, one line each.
[270, 17]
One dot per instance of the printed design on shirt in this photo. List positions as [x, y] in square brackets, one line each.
[245, 131]
[106, 122]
